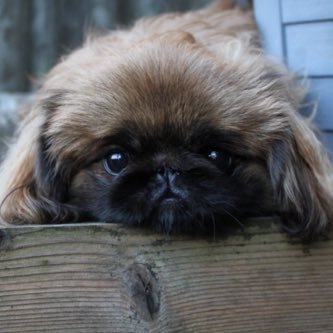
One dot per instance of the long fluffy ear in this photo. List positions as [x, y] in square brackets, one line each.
[302, 178]
[28, 192]
[51, 180]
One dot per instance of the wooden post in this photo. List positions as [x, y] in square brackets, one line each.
[107, 278]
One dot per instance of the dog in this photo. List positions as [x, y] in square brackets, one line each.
[176, 124]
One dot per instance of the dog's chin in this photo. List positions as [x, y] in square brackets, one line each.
[175, 215]
[171, 215]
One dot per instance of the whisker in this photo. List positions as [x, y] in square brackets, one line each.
[214, 226]
[233, 217]
[225, 203]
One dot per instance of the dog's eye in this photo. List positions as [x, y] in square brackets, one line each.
[223, 159]
[213, 155]
[115, 161]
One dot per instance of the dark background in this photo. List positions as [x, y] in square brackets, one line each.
[35, 33]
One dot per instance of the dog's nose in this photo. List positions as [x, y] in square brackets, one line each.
[167, 174]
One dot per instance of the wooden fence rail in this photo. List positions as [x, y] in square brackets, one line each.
[106, 278]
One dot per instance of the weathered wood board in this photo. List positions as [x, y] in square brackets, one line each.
[107, 278]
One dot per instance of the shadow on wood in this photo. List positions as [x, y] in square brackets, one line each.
[106, 278]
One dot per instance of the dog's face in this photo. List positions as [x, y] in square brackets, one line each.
[168, 134]
[169, 137]
[168, 181]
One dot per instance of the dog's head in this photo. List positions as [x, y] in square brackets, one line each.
[173, 135]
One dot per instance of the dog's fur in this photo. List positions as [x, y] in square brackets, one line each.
[169, 91]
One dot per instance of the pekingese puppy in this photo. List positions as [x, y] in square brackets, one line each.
[176, 124]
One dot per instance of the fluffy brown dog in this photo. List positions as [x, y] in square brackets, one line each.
[178, 123]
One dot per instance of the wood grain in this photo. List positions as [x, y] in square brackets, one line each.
[105, 278]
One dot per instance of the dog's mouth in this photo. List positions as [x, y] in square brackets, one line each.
[173, 213]
[169, 196]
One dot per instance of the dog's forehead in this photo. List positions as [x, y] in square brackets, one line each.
[198, 135]
[166, 94]
[152, 92]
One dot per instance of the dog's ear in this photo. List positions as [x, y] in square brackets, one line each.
[51, 179]
[302, 179]
[32, 191]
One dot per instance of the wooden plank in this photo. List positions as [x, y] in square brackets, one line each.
[309, 10]
[310, 48]
[268, 17]
[106, 278]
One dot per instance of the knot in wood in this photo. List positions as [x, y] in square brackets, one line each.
[142, 288]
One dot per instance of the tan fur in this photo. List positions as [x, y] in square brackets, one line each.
[209, 66]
